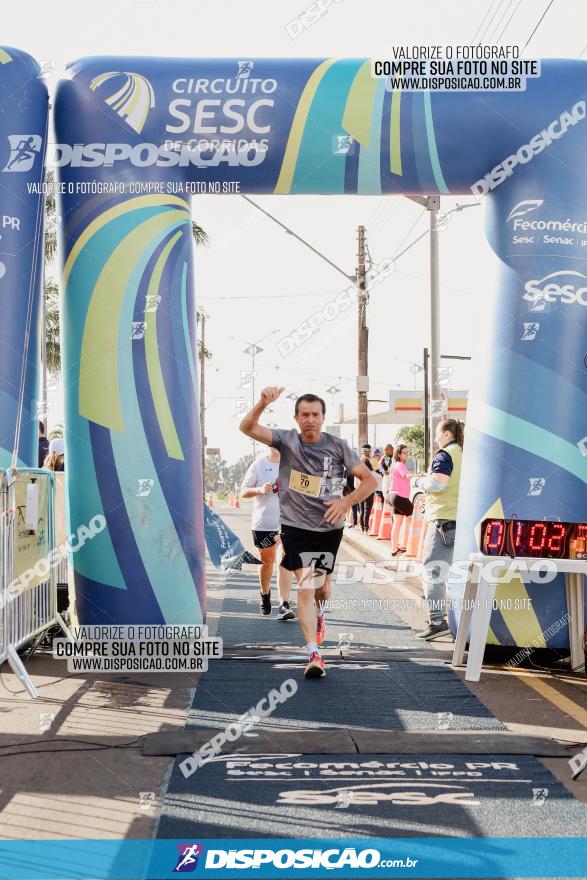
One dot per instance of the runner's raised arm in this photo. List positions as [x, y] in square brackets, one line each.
[250, 424]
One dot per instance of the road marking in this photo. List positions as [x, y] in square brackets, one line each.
[566, 705]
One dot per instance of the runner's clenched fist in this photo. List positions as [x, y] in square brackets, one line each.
[268, 395]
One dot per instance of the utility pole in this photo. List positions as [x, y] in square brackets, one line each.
[433, 207]
[44, 356]
[426, 414]
[202, 354]
[363, 339]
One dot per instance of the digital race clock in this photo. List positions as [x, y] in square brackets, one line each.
[537, 538]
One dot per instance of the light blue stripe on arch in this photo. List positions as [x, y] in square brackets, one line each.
[186, 326]
[510, 429]
[318, 168]
[436, 169]
[158, 543]
[370, 159]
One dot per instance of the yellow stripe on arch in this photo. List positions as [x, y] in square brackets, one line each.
[111, 214]
[358, 111]
[395, 143]
[5, 58]
[290, 157]
[99, 390]
[155, 373]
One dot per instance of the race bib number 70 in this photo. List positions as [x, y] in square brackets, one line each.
[306, 484]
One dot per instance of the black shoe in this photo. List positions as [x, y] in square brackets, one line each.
[434, 631]
[285, 612]
[265, 606]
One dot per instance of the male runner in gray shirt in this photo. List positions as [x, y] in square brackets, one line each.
[312, 474]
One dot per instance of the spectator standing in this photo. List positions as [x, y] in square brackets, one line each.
[441, 485]
[43, 445]
[55, 460]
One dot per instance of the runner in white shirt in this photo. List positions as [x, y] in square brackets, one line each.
[261, 484]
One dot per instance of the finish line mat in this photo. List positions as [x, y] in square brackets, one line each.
[380, 742]
[370, 796]
[388, 684]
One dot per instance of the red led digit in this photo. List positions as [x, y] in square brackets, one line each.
[518, 535]
[538, 529]
[581, 531]
[556, 539]
[494, 534]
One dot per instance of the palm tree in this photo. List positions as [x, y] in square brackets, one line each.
[200, 236]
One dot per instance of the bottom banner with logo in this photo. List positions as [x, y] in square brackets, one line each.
[257, 858]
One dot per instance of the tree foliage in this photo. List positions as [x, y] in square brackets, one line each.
[413, 437]
[220, 476]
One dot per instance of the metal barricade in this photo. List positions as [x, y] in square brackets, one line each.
[28, 591]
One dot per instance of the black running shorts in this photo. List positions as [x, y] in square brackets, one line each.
[305, 548]
[263, 540]
[401, 505]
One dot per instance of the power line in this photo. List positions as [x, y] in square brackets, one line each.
[538, 25]
[503, 15]
[490, 22]
[508, 21]
[299, 238]
[415, 223]
[276, 295]
[489, 8]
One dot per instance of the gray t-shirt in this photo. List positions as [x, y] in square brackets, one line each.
[309, 475]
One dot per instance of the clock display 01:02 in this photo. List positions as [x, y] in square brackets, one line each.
[534, 538]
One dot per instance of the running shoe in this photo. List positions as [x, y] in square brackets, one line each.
[315, 666]
[285, 612]
[434, 631]
[320, 629]
[265, 606]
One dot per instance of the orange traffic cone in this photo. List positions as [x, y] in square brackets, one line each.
[422, 539]
[415, 532]
[386, 522]
[375, 518]
[237, 503]
[404, 532]
[210, 500]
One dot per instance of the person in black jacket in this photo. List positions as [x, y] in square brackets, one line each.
[43, 445]
[367, 503]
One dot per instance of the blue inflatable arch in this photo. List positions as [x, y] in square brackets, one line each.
[138, 135]
[24, 106]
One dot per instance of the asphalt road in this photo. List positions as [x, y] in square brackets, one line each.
[386, 681]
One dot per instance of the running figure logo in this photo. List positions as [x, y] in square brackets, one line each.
[343, 144]
[23, 149]
[319, 562]
[244, 69]
[188, 857]
[530, 330]
[537, 484]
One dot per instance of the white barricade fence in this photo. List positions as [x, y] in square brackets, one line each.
[60, 525]
[28, 586]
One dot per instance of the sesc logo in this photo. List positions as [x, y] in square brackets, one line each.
[548, 289]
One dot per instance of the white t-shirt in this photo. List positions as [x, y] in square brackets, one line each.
[265, 507]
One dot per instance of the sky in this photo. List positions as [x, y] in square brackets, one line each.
[255, 281]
